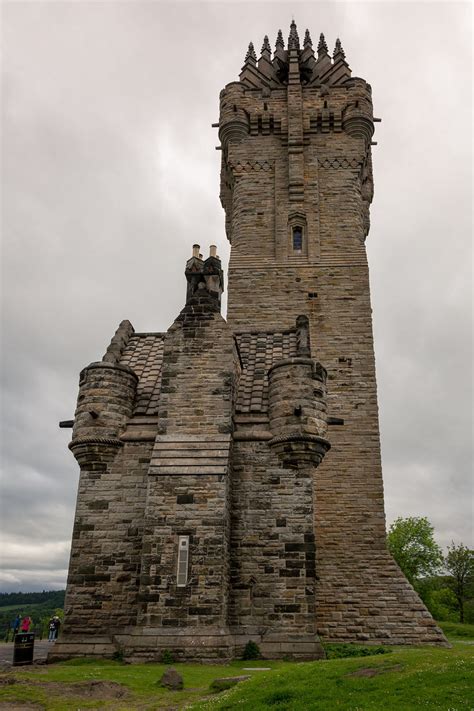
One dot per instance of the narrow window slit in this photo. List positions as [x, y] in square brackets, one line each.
[297, 238]
[183, 561]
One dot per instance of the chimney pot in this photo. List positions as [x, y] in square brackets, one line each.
[213, 250]
[196, 249]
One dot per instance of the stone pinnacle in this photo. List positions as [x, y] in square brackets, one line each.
[322, 46]
[279, 41]
[251, 56]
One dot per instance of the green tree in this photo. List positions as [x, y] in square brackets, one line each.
[459, 563]
[412, 544]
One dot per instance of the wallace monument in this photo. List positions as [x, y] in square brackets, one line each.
[230, 475]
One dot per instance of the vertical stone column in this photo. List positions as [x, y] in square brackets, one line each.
[105, 403]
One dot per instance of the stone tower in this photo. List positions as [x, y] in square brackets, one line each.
[230, 484]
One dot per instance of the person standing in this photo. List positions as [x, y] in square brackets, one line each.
[16, 625]
[57, 625]
[51, 630]
[26, 624]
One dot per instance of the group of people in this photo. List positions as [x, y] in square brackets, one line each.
[22, 625]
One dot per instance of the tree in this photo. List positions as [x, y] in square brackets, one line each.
[459, 562]
[411, 542]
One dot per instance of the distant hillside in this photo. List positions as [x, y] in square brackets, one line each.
[40, 606]
[54, 597]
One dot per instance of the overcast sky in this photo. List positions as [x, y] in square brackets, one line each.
[109, 175]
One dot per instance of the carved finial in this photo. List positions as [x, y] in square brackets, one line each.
[322, 46]
[266, 45]
[293, 39]
[251, 56]
[308, 42]
[338, 51]
[279, 44]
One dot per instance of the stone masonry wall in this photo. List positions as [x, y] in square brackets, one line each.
[188, 484]
[272, 553]
[106, 547]
[360, 592]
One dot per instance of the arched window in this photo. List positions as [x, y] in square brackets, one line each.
[297, 238]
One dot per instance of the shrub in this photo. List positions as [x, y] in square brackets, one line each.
[251, 651]
[339, 651]
[167, 657]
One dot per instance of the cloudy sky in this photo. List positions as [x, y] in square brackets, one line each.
[109, 175]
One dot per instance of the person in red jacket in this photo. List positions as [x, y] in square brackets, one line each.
[26, 624]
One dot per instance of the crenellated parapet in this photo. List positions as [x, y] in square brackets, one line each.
[292, 109]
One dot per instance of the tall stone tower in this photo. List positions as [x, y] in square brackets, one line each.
[231, 485]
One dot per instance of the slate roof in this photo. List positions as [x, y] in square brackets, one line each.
[259, 351]
[144, 354]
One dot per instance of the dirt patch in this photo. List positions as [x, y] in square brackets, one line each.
[374, 671]
[7, 680]
[20, 706]
[95, 690]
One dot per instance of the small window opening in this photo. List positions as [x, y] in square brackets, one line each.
[183, 560]
[297, 238]
[265, 107]
[325, 104]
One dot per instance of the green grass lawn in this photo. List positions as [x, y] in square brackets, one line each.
[406, 678]
[456, 630]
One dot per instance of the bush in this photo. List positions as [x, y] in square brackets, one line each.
[167, 657]
[251, 651]
[340, 651]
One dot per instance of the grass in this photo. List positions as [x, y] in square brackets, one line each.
[457, 630]
[405, 679]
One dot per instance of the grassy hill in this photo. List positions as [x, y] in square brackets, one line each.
[405, 679]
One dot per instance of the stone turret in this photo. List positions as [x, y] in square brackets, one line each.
[105, 403]
[297, 405]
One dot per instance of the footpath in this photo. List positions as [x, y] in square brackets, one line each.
[41, 650]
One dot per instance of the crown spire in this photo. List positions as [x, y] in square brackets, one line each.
[308, 42]
[338, 51]
[266, 45]
[279, 44]
[322, 46]
[293, 39]
[251, 56]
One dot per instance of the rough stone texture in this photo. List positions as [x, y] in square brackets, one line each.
[172, 680]
[219, 431]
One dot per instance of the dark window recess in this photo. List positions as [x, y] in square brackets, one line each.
[185, 499]
[297, 239]
[312, 295]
